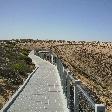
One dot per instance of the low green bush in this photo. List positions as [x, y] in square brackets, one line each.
[25, 52]
[25, 58]
[20, 67]
[28, 60]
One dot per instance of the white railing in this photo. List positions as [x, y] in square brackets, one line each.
[72, 88]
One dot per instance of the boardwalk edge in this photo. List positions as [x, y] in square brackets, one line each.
[16, 94]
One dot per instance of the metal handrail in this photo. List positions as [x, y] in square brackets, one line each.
[77, 88]
[86, 96]
[83, 92]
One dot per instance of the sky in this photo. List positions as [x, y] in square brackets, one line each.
[87, 20]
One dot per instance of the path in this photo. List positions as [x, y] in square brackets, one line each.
[43, 93]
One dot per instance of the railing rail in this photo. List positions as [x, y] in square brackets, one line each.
[71, 87]
[86, 96]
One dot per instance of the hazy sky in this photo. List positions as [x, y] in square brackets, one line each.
[56, 19]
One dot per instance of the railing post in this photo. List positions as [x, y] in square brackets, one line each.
[65, 78]
[61, 69]
[48, 58]
[55, 60]
[45, 57]
[71, 97]
[40, 55]
[57, 64]
[68, 92]
[76, 95]
[99, 108]
[52, 59]
[62, 75]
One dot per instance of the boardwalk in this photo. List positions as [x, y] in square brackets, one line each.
[43, 93]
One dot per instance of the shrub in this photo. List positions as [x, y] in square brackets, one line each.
[25, 52]
[20, 67]
[25, 58]
[28, 60]
[17, 80]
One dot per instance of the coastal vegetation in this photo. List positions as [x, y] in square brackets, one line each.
[91, 62]
[14, 68]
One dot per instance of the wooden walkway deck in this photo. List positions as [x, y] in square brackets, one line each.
[43, 93]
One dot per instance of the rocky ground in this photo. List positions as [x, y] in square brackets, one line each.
[14, 68]
[92, 64]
